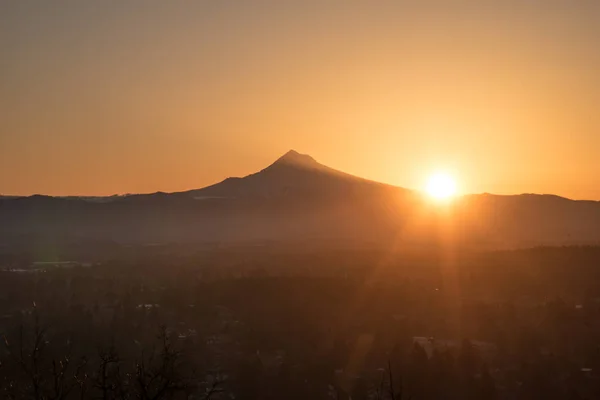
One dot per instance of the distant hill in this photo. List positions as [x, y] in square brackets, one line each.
[297, 199]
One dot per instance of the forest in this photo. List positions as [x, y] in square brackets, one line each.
[264, 323]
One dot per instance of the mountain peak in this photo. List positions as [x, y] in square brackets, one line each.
[294, 158]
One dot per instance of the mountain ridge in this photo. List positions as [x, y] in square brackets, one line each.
[291, 158]
[296, 198]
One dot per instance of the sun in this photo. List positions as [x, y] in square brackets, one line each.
[441, 186]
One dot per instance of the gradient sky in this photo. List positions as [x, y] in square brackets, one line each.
[103, 97]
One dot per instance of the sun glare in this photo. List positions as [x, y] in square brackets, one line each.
[441, 186]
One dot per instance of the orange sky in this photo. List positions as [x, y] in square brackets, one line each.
[103, 97]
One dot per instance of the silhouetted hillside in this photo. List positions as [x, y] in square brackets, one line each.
[298, 199]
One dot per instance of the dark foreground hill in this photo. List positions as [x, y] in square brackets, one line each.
[296, 199]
